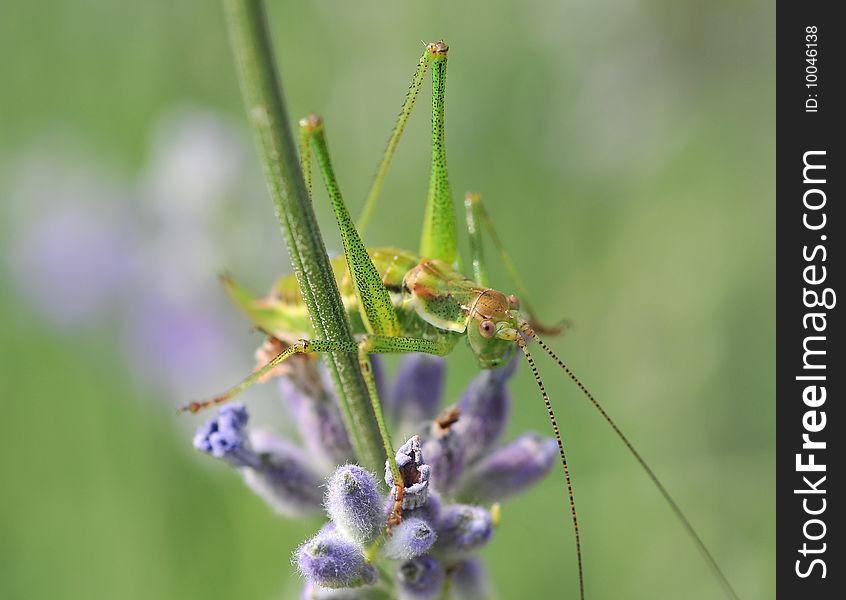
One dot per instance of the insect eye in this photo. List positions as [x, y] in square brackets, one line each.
[514, 302]
[487, 328]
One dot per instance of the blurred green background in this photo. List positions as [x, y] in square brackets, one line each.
[626, 151]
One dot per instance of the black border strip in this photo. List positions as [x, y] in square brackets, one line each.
[810, 227]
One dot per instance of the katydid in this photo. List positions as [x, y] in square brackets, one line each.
[399, 301]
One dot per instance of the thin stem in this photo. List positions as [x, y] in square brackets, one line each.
[262, 92]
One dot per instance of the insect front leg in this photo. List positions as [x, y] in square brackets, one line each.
[393, 345]
[300, 347]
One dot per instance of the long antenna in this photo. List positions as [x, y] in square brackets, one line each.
[715, 568]
[522, 343]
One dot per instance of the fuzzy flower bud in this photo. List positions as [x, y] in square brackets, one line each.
[224, 437]
[354, 504]
[312, 591]
[415, 474]
[421, 578]
[512, 468]
[417, 389]
[462, 530]
[470, 581]
[330, 561]
[485, 406]
[411, 538]
[445, 450]
[318, 420]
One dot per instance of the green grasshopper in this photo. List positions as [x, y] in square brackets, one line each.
[398, 301]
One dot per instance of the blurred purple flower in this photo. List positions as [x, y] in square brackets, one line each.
[445, 451]
[511, 469]
[174, 345]
[462, 529]
[417, 390]
[319, 422]
[420, 578]
[70, 250]
[470, 580]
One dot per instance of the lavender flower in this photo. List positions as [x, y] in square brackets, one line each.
[462, 530]
[511, 469]
[411, 538]
[435, 536]
[331, 561]
[420, 578]
[354, 504]
[274, 468]
[312, 591]
[415, 474]
[224, 437]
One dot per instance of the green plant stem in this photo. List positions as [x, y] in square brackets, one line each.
[266, 110]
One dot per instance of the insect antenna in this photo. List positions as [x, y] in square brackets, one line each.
[522, 343]
[709, 559]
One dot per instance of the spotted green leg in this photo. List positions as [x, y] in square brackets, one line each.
[396, 134]
[377, 310]
[439, 237]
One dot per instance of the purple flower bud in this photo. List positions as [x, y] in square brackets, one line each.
[418, 388]
[411, 538]
[318, 420]
[444, 451]
[274, 468]
[470, 581]
[511, 469]
[331, 561]
[354, 504]
[462, 530]
[285, 479]
[485, 406]
[415, 474]
[312, 591]
[224, 436]
[420, 578]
